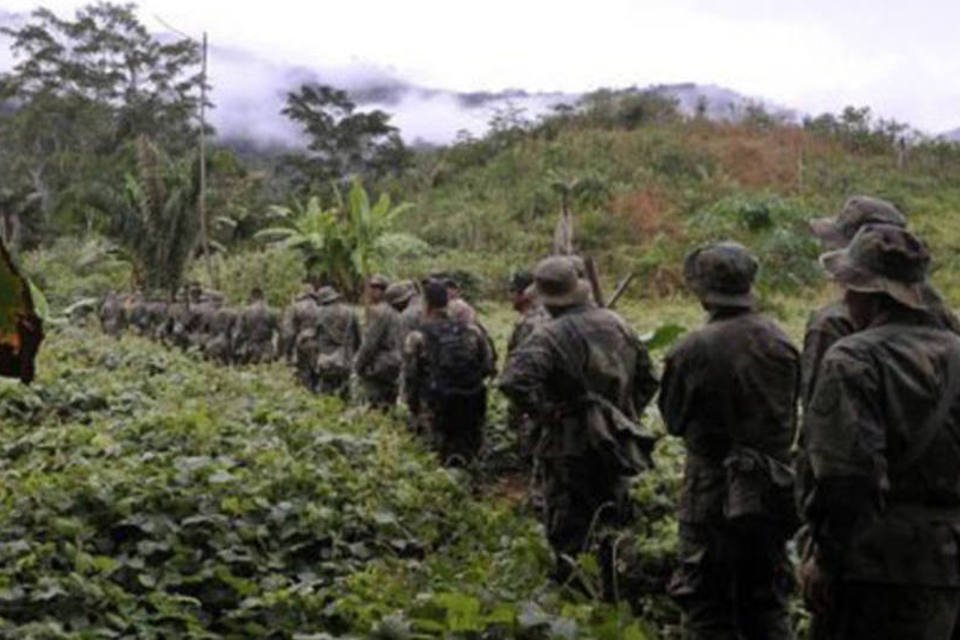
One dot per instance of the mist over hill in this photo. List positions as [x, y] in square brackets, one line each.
[249, 92]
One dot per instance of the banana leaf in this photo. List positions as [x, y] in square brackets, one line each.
[21, 329]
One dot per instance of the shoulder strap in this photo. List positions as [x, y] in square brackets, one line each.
[935, 422]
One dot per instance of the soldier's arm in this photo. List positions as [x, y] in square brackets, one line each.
[413, 370]
[645, 382]
[526, 376]
[678, 389]
[845, 439]
[819, 337]
[353, 335]
[372, 338]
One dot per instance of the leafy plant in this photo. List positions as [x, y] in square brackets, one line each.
[341, 245]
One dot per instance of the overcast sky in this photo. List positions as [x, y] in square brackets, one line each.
[900, 57]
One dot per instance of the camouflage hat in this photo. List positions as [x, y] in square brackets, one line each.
[722, 274]
[306, 291]
[399, 292]
[327, 295]
[883, 258]
[557, 283]
[837, 232]
[378, 281]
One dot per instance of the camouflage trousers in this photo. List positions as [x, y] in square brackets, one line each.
[582, 499]
[456, 427]
[334, 384]
[734, 581]
[890, 612]
[379, 394]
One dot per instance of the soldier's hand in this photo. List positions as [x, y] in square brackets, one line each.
[817, 586]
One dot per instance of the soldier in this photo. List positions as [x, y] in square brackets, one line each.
[219, 328]
[412, 314]
[883, 437]
[192, 318]
[831, 323]
[445, 362]
[136, 313]
[376, 289]
[378, 360]
[173, 333]
[532, 315]
[112, 316]
[156, 315]
[299, 336]
[256, 329]
[583, 376]
[337, 339]
[730, 391]
[457, 307]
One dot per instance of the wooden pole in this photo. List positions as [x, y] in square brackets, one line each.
[202, 203]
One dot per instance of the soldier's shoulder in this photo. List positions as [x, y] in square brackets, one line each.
[831, 318]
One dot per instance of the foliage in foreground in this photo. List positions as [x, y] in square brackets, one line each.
[148, 494]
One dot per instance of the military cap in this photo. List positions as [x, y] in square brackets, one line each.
[883, 258]
[327, 295]
[399, 292]
[378, 281]
[722, 274]
[557, 284]
[837, 232]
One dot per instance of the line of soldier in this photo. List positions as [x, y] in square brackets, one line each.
[423, 335]
[872, 474]
[871, 478]
[197, 320]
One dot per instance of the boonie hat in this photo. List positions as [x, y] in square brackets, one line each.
[722, 274]
[838, 231]
[883, 258]
[557, 284]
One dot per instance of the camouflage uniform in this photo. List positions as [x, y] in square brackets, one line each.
[453, 422]
[411, 316]
[832, 323]
[378, 361]
[156, 317]
[219, 330]
[112, 316]
[517, 419]
[299, 335]
[254, 333]
[583, 357]
[730, 391]
[337, 339]
[883, 438]
[193, 318]
[136, 313]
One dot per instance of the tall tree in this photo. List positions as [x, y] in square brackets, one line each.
[342, 142]
[84, 87]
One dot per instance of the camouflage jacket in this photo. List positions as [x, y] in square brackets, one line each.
[884, 500]
[732, 383]
[112, 316]
[299, 320]
[255, 327]
[410, 317]
[416, 360]
[338, 334]
[532, 318]
[586, 350]
[379, 355]
[828, 325]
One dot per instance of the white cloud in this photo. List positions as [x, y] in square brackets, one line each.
[813, 55]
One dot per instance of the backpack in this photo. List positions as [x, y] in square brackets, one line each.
[455, 369]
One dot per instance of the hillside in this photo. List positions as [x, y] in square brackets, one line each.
[644, 195]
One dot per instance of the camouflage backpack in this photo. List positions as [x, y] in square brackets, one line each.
[454, 360]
